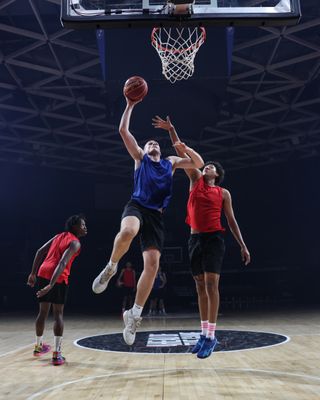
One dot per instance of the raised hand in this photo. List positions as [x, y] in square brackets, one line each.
[158, 122]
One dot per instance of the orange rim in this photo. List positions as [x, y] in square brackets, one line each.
[173, 51]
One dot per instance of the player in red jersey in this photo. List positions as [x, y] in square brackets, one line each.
[127, 282]
[206, 243]
[51, 269]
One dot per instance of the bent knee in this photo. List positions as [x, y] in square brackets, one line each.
[128, 233]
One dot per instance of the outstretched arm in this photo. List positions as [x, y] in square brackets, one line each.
[234, 227]
[167, 125]
[38, 259]
[129, 140]
[71, 250]
[194, 160]
[193, 172]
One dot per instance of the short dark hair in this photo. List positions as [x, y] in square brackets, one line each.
[72, 221]
[220, 170]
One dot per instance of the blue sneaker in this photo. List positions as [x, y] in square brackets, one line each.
[198, 345]
[207, 348]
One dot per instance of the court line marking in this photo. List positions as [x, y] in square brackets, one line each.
[13, 351]
[183, 354]
[150, 371]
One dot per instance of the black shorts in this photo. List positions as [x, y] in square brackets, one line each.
[57, 295]
[206, 252]
[151, 225]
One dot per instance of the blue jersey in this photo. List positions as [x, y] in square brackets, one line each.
[153, 183]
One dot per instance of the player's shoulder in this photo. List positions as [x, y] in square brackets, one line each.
[225, 192]
[75, 244]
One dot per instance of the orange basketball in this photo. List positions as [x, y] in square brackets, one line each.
[135, 88]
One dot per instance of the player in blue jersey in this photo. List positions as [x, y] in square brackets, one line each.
[143, 214]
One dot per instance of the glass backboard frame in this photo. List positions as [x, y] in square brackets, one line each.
[286, 12]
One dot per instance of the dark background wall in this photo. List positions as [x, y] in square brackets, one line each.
[276, 207]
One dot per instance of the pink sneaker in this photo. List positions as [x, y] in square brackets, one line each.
[41, 349]
[57, 358]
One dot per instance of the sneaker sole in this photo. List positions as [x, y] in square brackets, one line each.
[58, 363]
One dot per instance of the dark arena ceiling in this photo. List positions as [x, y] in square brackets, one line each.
[57, 111]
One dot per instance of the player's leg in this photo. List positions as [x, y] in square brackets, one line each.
[59, 298]
[124, 303]
[132, 317]
[152, 239]
[203, 310]
[129, 228]
[151, 261]
[152, 306]
[194, 250]
[211, 282]
[41, 347]
[162, 309]
[213, 249]
[44, 309]
[58, 326]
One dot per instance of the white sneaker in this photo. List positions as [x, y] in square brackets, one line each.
[131, 324]
[101, 282]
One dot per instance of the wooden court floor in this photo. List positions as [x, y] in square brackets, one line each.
[290, 371]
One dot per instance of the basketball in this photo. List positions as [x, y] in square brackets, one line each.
[135, 88]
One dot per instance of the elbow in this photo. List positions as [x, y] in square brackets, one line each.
[200, 163]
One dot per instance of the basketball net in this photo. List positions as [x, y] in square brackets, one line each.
[177, 48]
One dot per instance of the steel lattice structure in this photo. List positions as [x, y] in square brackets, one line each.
[53, 101]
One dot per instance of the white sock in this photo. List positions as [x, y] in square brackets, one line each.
[137, 310]
[113, 265]
[204, 327]
[211, 330]
[39, 340]
[57, 343]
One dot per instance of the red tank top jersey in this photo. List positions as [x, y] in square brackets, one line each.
[128, 278]
[58, 246]
[204, 207]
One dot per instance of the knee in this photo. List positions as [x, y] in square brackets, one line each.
[211, 287]
[152, 265]
[200, 286]
[127, 234]
[58, 315]
[151, 261]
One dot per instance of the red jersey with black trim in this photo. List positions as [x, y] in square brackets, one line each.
[58, 246]
[128, 278]
[204, 207]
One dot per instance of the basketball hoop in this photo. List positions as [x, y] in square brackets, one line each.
[177, 48]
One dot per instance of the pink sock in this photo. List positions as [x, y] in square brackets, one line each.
[204, 328]
[211, 330]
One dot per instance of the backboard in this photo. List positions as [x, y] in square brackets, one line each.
[158, 13]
